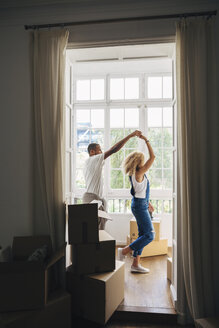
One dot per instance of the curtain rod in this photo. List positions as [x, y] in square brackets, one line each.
[118, 20]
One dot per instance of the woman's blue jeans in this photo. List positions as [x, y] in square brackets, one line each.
[139, 207]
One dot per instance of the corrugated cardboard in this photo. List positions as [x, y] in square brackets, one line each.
[56, 314]
[169, 268]
[95, 297]
[83, 223]
[155, 248]
[94, 257]
[134, 229]
[24, 284]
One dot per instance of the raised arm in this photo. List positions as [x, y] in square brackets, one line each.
[121, 143]
[151, 159]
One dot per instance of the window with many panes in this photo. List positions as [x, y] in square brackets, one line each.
[108, 107]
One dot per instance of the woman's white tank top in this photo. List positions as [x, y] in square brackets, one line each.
[139, 187]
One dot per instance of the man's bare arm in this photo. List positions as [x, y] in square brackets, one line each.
[121, 143]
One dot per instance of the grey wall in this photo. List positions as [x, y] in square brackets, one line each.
[16, 123]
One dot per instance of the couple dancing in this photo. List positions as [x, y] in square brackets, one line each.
[135, 167]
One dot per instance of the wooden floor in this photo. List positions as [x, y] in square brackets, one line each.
[150, 290]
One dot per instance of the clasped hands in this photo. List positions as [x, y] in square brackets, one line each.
[138, 133]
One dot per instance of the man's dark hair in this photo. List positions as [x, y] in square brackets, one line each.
[91, 146]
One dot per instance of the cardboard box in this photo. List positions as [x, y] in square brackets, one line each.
[128, 240]
[95, 297]
[169, 268]
[134, 229]
[83, 223]
[155, 248]
[95, 257]
[24, 284]
[56, 314]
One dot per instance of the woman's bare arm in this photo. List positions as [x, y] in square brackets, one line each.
[151, 159]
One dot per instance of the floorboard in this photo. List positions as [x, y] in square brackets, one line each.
[150, 290]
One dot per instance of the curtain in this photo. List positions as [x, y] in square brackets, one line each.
[49, 49]
[198, 179]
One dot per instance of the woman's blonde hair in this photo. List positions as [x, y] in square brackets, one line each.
[133, 161]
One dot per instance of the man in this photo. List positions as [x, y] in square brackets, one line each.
[93, 172]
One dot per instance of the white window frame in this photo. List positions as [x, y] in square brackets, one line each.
[142, 103]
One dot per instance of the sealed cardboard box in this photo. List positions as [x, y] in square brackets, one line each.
[83, 223]
[24, 281]
[94, 257]
[155, 248]
[169, 268]
[95, 297]
[56, 314]
[134, 229]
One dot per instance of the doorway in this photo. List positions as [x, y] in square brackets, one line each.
[110, 92]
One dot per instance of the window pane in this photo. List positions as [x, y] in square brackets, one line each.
[78, 201]
[133, 142]
[128, 205]
[97, 136]
[167, 137]
[127, 182]
[167, 159]
[167, 206]
[116, 117]
[117, 159]
[158, 159]
[154, 117]
[97, 118]
[155, 136]
[155, 178]
[116, 89]
[83, 118]
[83, 90]
[131, 88]
[68, 127]
[167, 87]
[154, 87]
[116, 205]
[68, 172]
[97, 89]
[81, 158]
[80, 183]
[116, 135]
[167, 179]
[168, 116]
[157, 204]
[131, 117]
[116, 179]
[83, 138]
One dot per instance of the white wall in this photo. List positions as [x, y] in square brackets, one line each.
[16, 124]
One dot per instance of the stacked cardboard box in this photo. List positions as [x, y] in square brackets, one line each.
[158, 246]
[95, 279]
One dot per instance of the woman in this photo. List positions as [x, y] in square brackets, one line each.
[135, 166]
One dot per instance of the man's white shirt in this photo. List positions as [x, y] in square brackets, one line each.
[93, 174]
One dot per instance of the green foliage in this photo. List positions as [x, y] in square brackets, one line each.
[116, 179]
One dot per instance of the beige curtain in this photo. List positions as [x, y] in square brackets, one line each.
[48, 96]
[197, 167]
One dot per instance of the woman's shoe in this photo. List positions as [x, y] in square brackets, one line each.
[139, 269]
[120, 256]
